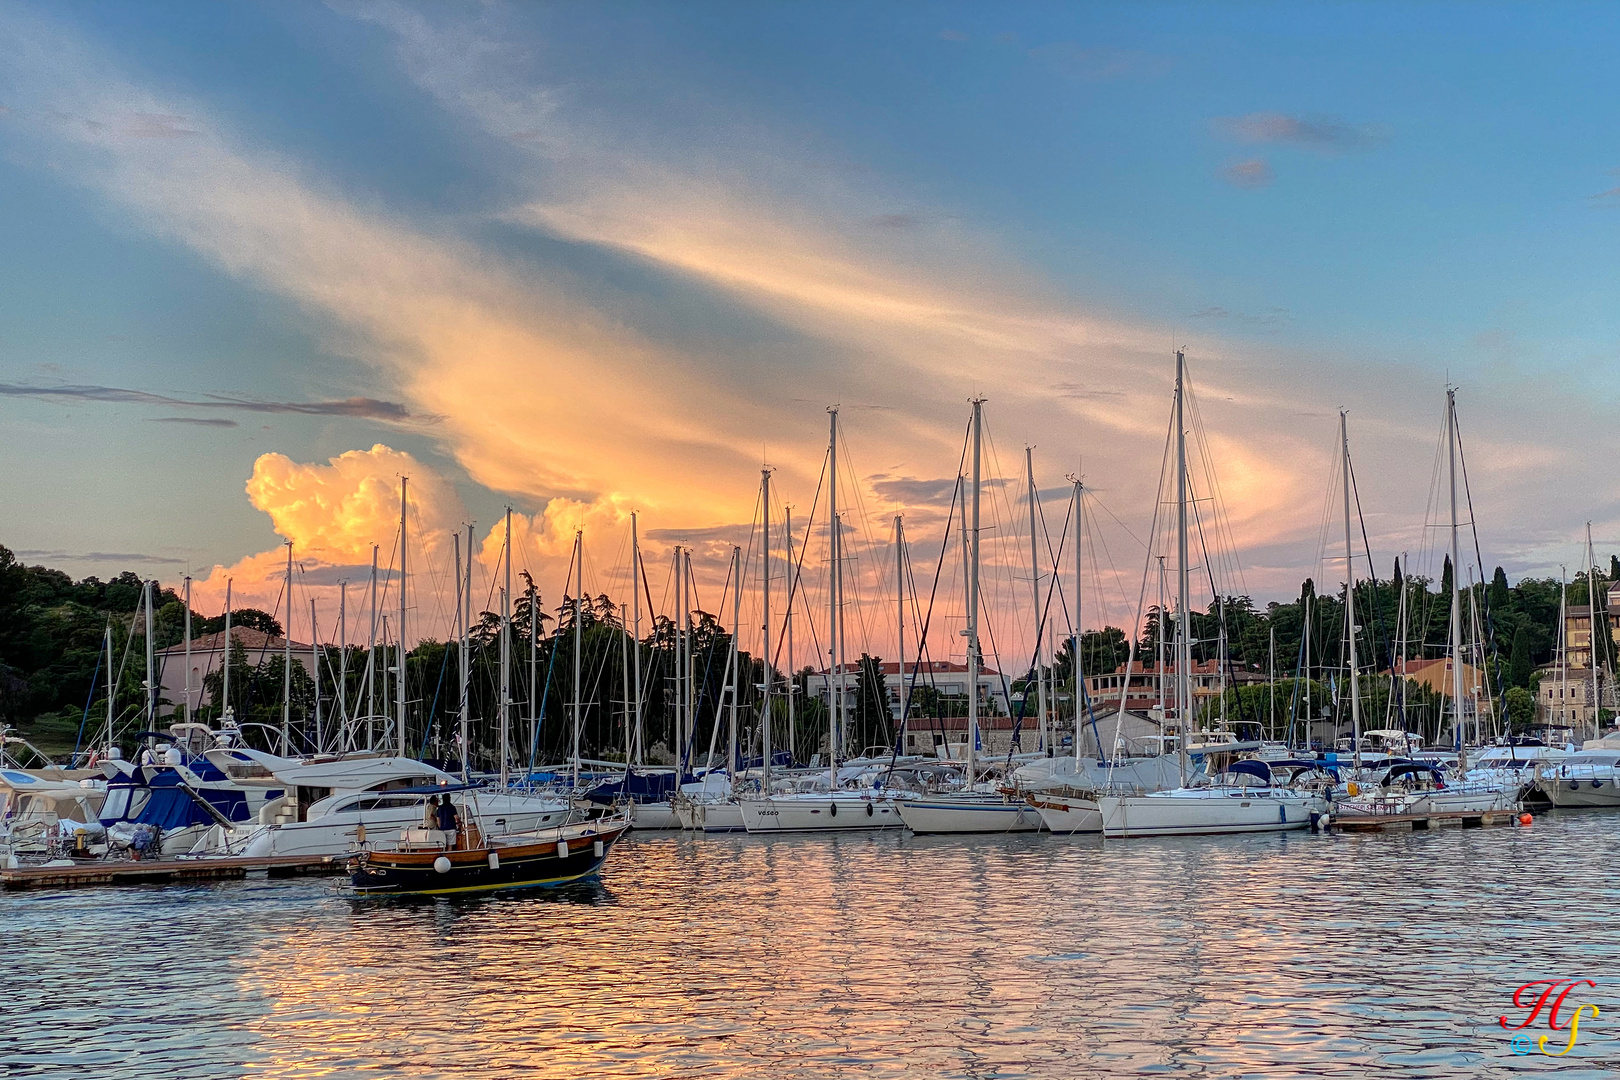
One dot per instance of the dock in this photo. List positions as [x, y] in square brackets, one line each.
[1466, 819]
[165, 871]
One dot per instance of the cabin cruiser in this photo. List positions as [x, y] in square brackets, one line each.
[1514, 764]
[324, 805]
[38, 813]
[164, 801]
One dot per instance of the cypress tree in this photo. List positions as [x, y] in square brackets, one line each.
[1519, 663]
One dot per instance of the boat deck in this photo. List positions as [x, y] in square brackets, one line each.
[165, 871]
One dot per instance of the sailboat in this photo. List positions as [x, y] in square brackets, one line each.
[974, 809]
[1247, 801]
[835, 807]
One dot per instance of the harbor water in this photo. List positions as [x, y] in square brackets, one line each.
[881, 955]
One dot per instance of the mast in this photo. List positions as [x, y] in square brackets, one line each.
[733, 661]
[1183, 578]
[1350, 597]
[461, 656]
[371, 657]
[973, 600]
[625, 641]
[112, 678]
[635, 593]
[579, 634]
[680, 669]
[1035, 585]
[1563, 642]
[900, 610]
[188, 638]
[835, 713]
[315, 677]
[1456, 577]
[343, 660]
[466, 657]
[793, 685]
[1271, 683]
[286, 665]
[400, 631]
[534, 672]
[1079, 626]
[765, 603]
[1591, 609]
[506, 656]
[1163, 615]
[227, 715]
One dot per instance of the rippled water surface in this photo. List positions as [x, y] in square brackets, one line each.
[880, 955]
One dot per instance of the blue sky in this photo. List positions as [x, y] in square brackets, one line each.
[618, 247]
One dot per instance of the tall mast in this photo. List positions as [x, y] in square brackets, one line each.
[1079, 627]
[1591, 610]
[579, 634]
[736, 679]
[315, 677]
[226, 714]
[534, 672]
[691, 662]
[1350, 597]
[680, 669]
[343, 661]
[188, 639]
[1456, 576]
[371, 656]
[625, 642]
[399, 719]
[1163, 615]
[1183, 578]
[461, 657]
[900, 609]
[506, 656]
[466, 656]
[286, 664]
[835, 715]
[792, 582]
[112, 679]
[765, 604]
[973, 601]
[1035, 585]
[1563, 642]
[635, 593]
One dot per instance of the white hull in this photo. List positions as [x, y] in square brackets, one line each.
[819, 813]
[1584, 792]
[717, 817]
[968, 814]
[1444, 801]
[336, 834]
[1190, 812]
[653, 815]
[1068, 814]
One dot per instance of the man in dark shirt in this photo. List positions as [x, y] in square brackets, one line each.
[449, 819]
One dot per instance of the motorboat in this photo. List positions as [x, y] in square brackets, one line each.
[1590, 777]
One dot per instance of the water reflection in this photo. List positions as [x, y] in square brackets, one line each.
[813, 956]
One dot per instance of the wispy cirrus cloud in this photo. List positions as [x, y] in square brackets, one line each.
[1251, 174]
[361, 407]
[1100, 63]
[1324, 134]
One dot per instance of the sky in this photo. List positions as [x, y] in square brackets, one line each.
[584, 260]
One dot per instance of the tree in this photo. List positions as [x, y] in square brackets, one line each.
[871, 718]
[1500, 597]
[1519, 668]
[1521, 708]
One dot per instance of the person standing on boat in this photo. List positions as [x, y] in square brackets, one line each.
[449, 818]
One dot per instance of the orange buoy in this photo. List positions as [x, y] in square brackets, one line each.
[1525, 819]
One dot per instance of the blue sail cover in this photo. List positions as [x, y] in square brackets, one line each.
[638, 787]
[171, 806]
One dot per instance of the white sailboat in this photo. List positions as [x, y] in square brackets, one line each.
[977, 808]
[836, 807]
[1221, 807]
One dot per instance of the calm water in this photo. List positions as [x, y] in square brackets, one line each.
[874, 956]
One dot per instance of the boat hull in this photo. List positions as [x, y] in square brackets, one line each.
[968, 816]
[1579, 793]
[514, 866]
[1068, 814]
[1175, 814]
[818, 814]
[653, 816]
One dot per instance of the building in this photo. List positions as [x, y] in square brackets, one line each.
[1435, 675]
[1578, 631]
[1141, 688]
[1565, 696]
[947, 678]
[208, 656]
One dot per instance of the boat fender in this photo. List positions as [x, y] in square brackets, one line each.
[868, 809]
[441, 865]
[360, 835]
[834, 810]
[598, 850]
[494, 860]
[1327, 820]
[1525, 819]
[562, 849]
[1282, 815]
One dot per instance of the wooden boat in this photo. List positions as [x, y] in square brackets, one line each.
[431, 862]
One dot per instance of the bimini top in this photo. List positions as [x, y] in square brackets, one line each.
[1251, 767]
[1413, 768]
